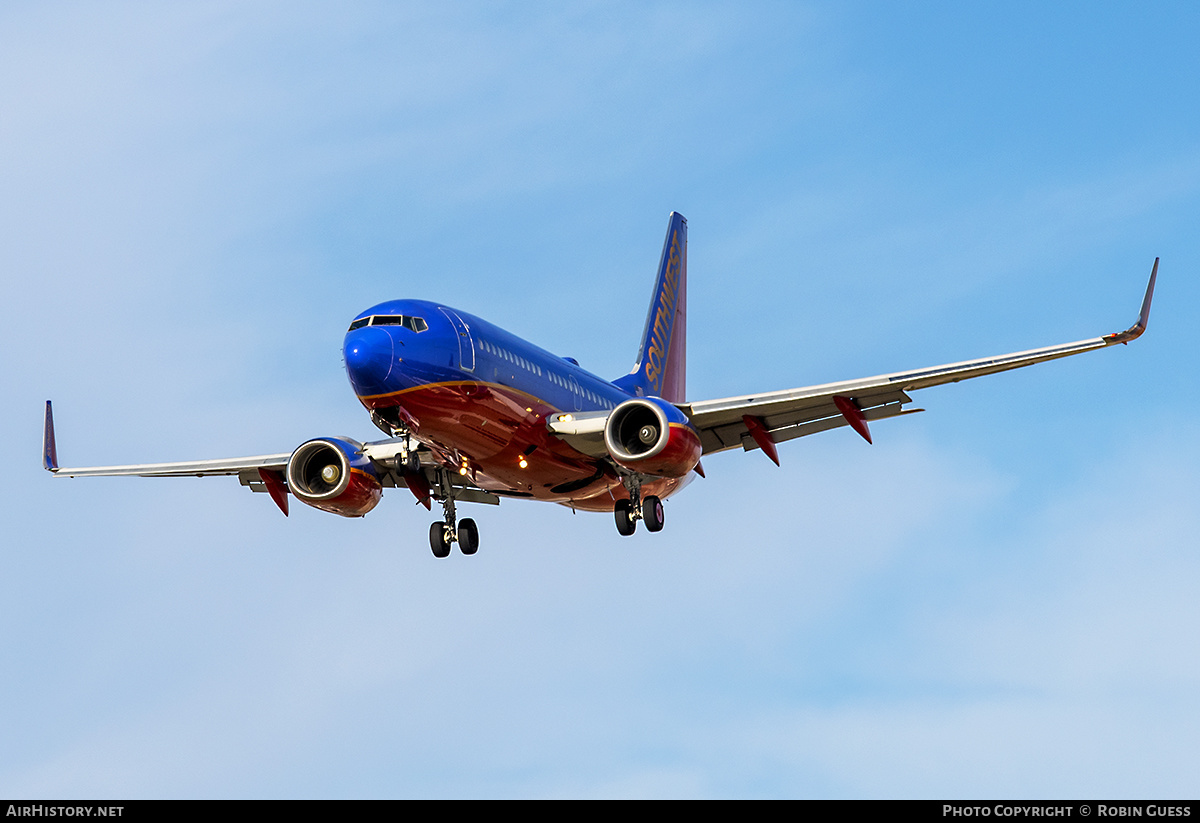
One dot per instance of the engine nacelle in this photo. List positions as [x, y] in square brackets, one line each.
[333, 474]
[651, 436]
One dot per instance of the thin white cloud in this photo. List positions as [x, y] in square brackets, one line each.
[196, 199]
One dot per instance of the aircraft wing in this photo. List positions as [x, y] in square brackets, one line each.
[266, 472]
[382, 452]
[761, 420]
[195, 468]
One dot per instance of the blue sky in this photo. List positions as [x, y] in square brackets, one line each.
[996, 599]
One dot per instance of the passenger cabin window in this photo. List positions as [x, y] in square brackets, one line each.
[416, 324]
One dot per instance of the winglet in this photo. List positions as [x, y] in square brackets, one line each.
[49, 449]
[1135, 331]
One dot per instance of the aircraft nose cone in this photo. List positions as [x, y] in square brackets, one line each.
[369, 357]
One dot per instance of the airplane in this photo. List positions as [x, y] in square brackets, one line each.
[473, 414]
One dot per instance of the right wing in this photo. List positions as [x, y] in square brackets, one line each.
[195, 468]
[267, 472]
[261, 473]
[761, 420]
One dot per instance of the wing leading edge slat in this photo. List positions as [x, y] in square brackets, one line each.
[195, 468]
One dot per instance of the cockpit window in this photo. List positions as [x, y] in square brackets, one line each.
[416, 324]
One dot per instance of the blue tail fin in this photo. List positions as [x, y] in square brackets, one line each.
[661, 366]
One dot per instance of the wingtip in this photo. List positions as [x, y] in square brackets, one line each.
[1137, 329]
[49, 448]
[1144, 317]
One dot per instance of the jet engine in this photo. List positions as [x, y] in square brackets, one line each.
[651, 436]
[333, 474]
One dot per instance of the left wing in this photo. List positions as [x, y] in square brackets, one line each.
[765, 419]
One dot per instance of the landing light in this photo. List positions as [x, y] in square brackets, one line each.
[565, 418]
[523, 463]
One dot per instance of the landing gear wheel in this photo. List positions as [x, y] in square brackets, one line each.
[652, 513]
[438, 541]
[626, 524]
[412, 463]
[468, 536]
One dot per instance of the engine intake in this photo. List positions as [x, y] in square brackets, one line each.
[651, 436]
[333, 474]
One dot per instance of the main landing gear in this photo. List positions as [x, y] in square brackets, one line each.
[629, 512]
[451, 530]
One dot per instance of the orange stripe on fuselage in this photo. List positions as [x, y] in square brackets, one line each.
[492, 426]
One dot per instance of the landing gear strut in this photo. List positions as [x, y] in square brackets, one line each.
[444, 533]
[629, 512]
[408, 460]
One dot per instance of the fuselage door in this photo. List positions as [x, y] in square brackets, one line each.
[576, 392]
[466, 345]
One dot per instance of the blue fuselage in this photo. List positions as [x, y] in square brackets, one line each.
[479, 396]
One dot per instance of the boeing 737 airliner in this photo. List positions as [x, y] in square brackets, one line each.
[473, 414]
